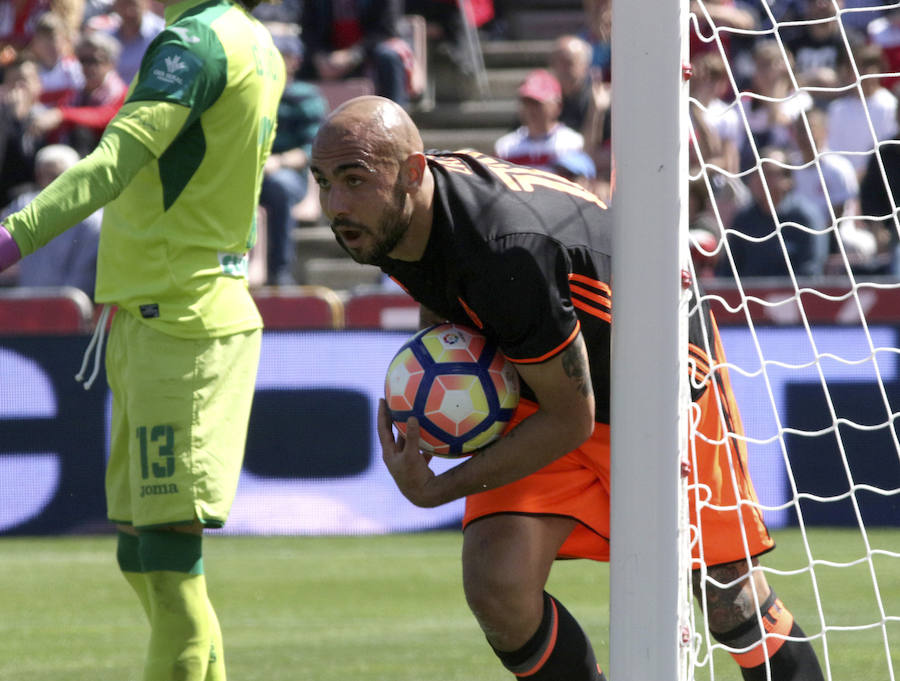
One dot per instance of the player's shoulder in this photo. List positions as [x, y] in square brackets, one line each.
[186, 35]
[195, 42]
[494, 185]
[201, 26]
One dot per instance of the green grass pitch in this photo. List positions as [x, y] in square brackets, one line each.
[387, 608]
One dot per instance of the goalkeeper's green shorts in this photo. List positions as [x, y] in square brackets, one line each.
[179, 423]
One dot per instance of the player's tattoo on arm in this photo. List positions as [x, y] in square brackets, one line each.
[576, 368]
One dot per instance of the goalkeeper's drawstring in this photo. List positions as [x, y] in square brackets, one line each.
[95, 345]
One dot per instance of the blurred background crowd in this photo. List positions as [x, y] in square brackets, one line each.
[813, 100]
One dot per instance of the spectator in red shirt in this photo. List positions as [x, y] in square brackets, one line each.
[81, 124]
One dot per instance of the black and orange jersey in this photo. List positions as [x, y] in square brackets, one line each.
[704, 348]
[521, 254]
[705, 353]
[710, 380]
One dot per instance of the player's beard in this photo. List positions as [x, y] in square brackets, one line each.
[390, 230]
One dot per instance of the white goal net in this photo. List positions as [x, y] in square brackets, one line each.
[794, 184]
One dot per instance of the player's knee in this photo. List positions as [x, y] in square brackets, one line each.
[497, 600]
[481, 597]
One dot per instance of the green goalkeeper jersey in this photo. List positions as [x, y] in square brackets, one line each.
[179, 169]
[173, 247]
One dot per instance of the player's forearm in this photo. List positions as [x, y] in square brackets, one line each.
[563, 422]
[536, 442]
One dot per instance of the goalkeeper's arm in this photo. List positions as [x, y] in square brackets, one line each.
[80, 191]
[139, 133]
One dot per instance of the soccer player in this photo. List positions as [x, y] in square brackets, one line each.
[179, 171]
[523, 255]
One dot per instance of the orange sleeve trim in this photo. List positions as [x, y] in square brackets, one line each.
[698, 352]
[701, 359]
[596, 283]
[700, 364]
[399, 284]
[554, 351]
[469, 311]
[590, 295]
[551, 644]
[591, 310]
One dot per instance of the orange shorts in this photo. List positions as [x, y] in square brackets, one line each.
[577, 486]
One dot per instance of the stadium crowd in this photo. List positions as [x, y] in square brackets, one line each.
[65, 66]
[814, 102]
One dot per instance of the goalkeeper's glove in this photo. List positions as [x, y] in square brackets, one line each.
[9, 249]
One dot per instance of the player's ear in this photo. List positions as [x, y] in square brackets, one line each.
[414, 170]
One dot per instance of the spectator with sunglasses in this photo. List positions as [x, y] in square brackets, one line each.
[81, 123]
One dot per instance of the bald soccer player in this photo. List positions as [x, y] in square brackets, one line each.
[524, 256]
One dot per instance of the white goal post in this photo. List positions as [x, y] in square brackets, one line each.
[812, 353]
[649, 337]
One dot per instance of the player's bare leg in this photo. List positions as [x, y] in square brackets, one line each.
[737, 621]
[506, 562]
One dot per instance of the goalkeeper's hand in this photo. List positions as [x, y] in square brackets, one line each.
[405, 461]
[9, 249]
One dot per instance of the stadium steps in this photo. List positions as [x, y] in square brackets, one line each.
[461, 117]
[475, 121]
[317, 242]
[539, 22]
[479, 139]
[516, 54]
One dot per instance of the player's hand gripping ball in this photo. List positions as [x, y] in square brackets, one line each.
[459, 386]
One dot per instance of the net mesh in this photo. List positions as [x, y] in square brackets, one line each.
[794, 222]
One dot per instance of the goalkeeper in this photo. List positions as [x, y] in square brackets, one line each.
[523, 255]
[180, 168]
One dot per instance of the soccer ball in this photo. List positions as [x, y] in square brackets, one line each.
[459, 386]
